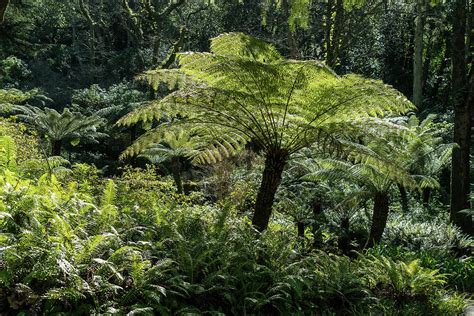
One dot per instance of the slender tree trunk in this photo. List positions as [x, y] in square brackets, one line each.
[426, 194]
[460, 178]
[301, 228]
[133, 130]
[275, 162]
[291, 42]
[427, 61]
[418, 55]
[344, 240]
[442, 68]
[176, 170]
[379, 218]
[328, 37]
[3, 9]
[404, 198]
[56, 146]
[317, 208]
[337, 33]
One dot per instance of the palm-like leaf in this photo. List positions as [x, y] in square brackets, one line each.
[61, 126]
[171, 141]
[245, 85]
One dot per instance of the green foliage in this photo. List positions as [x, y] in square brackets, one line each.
[26, 145]
[245, 86]
[403, 280]
[71, 126]
[12, 70]
[8, 153]
[134, 248]
[11, 97]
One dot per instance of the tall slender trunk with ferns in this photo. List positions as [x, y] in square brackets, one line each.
[329, 26]
[3, 8]
[176, 171]
[426, 194]
[418, 55]
[291, 42]
[344, 240]
[317, 209]
[462, 99]
[404, 198]
[300, 226]
[275, 162]
[379, 218]
[56, 146]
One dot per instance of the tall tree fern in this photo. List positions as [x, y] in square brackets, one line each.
[59, 127]
[375, 180]
[244, 86]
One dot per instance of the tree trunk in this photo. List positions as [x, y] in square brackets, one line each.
[328, 37]
[177, 46]
[379, 218]
[133, 130]
[301, 228]
[293, 49]
[317, 211]
[344, 239]
[426, 194]
[275, 162]
[3, 9]
[460, 178]
[176, 170]
[337, 33]
[404, 198]
[418, 55]
[56, 146]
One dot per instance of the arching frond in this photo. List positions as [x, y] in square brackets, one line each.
[199, 144]
[61, 126]
[239, 44]
[244, 85]
[7, 153]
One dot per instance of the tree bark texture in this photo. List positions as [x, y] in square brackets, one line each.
[404, 198]
[418, 55]
[379, 218]
[426, 194]
[275, 162]
[56, 146]
[460, 177]
[3, 9]
[176, 171]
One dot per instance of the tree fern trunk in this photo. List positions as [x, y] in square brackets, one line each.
[379, 218]
[56, 146]
[301, 228]
[274, 164]
[176, 170]
[317, 208]
[426, 194]
[404, 198]
[344, 239]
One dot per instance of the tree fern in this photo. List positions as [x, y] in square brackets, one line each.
[245, 86]
[59, 127]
